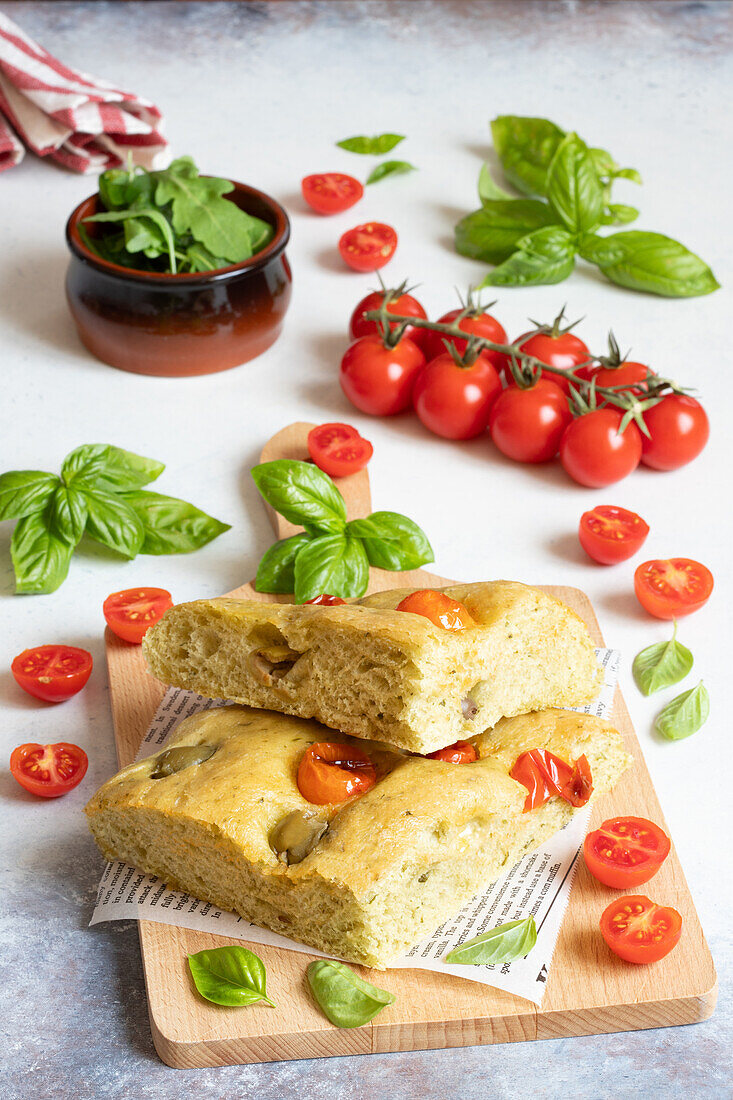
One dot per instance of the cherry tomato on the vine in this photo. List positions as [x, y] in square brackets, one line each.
[395, 302]
[527, 424]
[369, 246]
[640, 931]
[609, 534]
[331, 192]
[439, 607]
[631, 377]
[595, 453]
[679, 430]
[52, 672]
[338, 449]
[673, 587]
[48, 770]
[475, 323]
[564, 351]
[462, 752]
[625, 851]
[379, 379]
[455, 401]
[132, 612]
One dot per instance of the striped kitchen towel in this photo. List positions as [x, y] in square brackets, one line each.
[80, 121]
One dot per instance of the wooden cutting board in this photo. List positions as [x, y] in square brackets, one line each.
[589, 990]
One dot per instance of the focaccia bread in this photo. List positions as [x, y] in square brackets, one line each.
[379, 673]
[364, 879]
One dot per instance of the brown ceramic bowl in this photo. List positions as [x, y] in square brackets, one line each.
[180, 325]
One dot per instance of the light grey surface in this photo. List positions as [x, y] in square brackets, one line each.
[261, 92]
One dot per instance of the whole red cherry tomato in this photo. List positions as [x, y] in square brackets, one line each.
[331, 192]
[369, 246]
[564, 351]
[395, 301]
[455, 401]
[338, 449]
[631, 377]
[609, 534]
[625, 851]
[475, 323]
[379, 379]
[52, 672]
[674, 587]
[527, 424]
[679, 430]
[640, 931]
[462, 752]
[595, 453]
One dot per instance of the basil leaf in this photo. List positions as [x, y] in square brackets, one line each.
[113, 522]
[617, 213]
[69, 513]
[526, 147]
[392, 541]
[170, 525]
[276, 571]
[661, 665]
[573, 186]
[347, 1000]
[372, 146]
[23, 492]
[492, 233]
[336, 564]
[685, 714]
[390, 168]
[502, 944]
[231, 975]
[40, 555]
[627, 174]
[102, 466]
[488, 190]
[545, 256]
[602, 160]
[301, 493]
[651, 262]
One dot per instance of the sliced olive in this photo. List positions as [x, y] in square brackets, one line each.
[180, 757]
[295, 835]
[271, 663]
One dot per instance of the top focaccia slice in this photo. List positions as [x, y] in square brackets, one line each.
[368, 670]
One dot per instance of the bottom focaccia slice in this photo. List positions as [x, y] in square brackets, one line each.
[368, 878]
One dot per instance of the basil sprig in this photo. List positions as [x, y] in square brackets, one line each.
[346, 999]
[502, 944]
[331, 555]
[535, 240]
[661, 665]
[685, 715]
[231, 975]
[99, 494]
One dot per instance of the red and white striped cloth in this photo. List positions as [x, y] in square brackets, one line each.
[81, 122]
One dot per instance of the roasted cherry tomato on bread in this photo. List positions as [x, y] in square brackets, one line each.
[52, 672]
[132, 612]
[672, 587]
[609, 534]
[545, 775]
[564, 351]
[454, 401]
[338, 449]
[527, 424]
[475, 323]
[625, 851]
[595, 453]
[441, 609]
[679, 429]
[379, 379]
[369, 246]
[395, 301]
[331, 192]
[640, 931]
[462, 752]
[49, 770]
[331, 772]
[325, 600]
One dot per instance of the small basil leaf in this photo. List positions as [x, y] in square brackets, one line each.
[372, 146]
[301, 493]
[627, 174]
[502, 944]
[170, 525]
[23, 492]
[651, 262]
[69, 513]
[231, 975]
[685, 714]
[573, 186]
[545, 256]
[526, 147]
[109, 468]
[276, 571]
[488, 190]
[492, 233]
[336, 564]
[392, 541]
[390, 168]
[40, 555]
[114, 523]
[661, 665]
[347, 1000]
[617, 213]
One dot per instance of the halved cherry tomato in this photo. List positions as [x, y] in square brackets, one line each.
[475, 323]
[595, 453]
[625, 851]
[52, 672]
[462, 752]
[331, 192]
[49, 770]
[631, 377]
[330, 772]
[545, 775]
[338, 449]
[679, 430]
[379, 379]
[671, 587]
[395, 301]
[440, 608]
[369, 246]
[131, 613]
[640, 931]
[324, 600]
[564, 351]
[609, 534]
[455, 401]
[527, 424]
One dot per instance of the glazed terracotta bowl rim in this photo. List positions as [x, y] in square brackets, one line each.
[274, 248]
